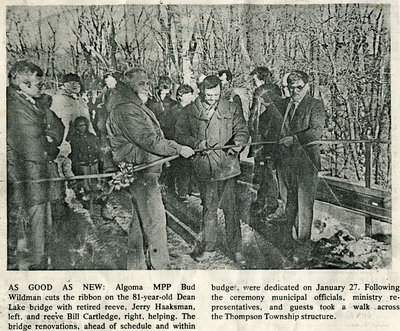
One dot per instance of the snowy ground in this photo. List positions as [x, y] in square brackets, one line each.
[84, 240]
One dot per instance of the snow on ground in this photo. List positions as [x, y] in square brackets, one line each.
[84, 240]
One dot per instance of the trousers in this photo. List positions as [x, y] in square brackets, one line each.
[267, 194]
[300, 179]
[38, 232]
[89, 184]
[177, 176]
[220, 194]
[148, 231]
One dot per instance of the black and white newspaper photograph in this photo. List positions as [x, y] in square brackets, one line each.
[199, 165]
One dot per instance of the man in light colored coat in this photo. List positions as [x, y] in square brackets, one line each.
[68, 105]
[213, 121]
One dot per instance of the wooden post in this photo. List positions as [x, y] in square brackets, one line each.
[368, 176]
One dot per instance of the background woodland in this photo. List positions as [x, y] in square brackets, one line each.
[345, 48]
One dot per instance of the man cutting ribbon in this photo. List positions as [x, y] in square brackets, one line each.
[299, 161]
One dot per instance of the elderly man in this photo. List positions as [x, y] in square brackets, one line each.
[136, 138]
[31, 140]
[213, 121]
[299, 162]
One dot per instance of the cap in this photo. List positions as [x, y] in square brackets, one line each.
[71, 78]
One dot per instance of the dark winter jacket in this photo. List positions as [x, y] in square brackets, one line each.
[306, 126]
[27, 149]
[226, 126]
[135, 133]
[228, 93]
[160, 108]
[84, 147]
[265, 120]
[170, 119]
[111, 97]
[54, 125]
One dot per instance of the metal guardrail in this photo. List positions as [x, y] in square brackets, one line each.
[365, 200]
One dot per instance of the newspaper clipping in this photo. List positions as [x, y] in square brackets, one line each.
[181, 165]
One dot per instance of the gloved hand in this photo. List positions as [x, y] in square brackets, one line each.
[234, 150]
[287, 141]
[204, 145]
[186, 152]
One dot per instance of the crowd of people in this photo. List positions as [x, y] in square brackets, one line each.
[83, 133]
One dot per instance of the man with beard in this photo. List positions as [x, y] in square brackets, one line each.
[136, 138]
[213, 121]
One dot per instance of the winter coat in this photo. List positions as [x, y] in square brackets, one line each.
[54, 125]
[306, 126]
[265, 120]
[228, 93]
[170, 119]
[111, 98]
[68, 108]
[227, 126]
[27, 150]
[160, 108]
[134, 132]
[84, 147]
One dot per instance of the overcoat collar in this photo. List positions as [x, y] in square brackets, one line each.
[302, 101]
[132, 97]
[13, 93]
[300, 106]
[222, 109]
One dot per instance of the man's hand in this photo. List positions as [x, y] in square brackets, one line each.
[203, 145]
[234, 150]
[186, 152]
[287, 141]
[49, 139]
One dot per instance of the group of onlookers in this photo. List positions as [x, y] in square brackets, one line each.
[122, 123]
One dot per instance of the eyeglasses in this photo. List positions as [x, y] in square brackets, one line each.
[73, 83]
[296, 87]
[38, 85]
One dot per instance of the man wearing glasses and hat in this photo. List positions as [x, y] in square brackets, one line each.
[68, 105]
[299, 162]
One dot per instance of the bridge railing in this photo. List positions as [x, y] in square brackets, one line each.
[371, 202]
